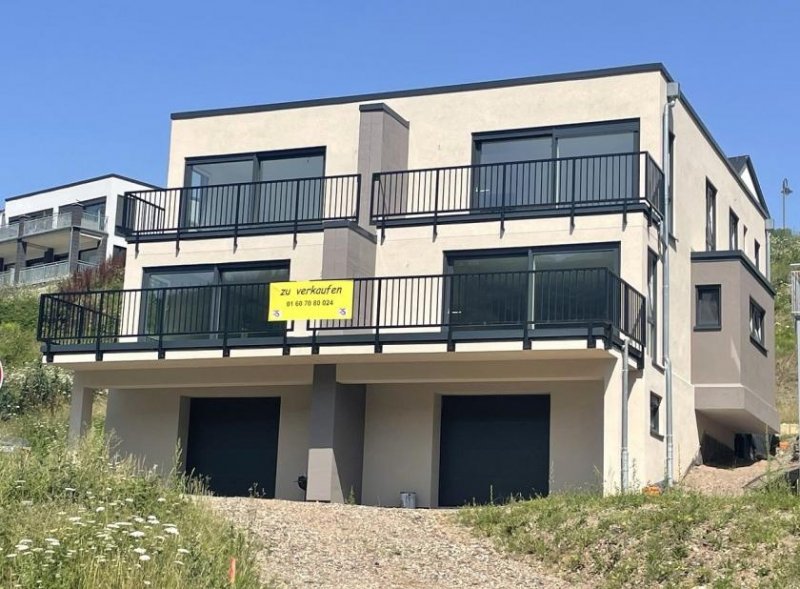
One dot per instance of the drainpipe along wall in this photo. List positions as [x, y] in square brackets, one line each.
[673, 92]
[624, 454]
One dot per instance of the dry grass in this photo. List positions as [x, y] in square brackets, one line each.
[679, 539]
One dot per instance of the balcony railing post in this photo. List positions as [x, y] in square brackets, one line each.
[378, 346]
[572, 190]
[162, 303]
[182, 193]
[224, 303]
[358, 201]
[526, 334]
[436, 205]
[98, 328]
[296, 209]
[503, 200]
[236, 218]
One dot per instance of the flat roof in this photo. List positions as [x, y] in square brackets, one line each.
[757, 199]
[79, 182]
[525, 81]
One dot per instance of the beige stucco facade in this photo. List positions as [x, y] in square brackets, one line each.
[400, 390]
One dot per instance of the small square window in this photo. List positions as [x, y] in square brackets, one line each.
[708, 312]
[757, 324]
[655, 414]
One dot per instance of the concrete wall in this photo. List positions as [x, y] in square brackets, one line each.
[401, 440]
[730, 371]
[149, 425]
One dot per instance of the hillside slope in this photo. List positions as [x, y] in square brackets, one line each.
[785, 251]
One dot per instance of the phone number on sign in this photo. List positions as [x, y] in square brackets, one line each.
[314, 303]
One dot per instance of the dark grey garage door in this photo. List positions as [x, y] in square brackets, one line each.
[493, 447]
[234, 442]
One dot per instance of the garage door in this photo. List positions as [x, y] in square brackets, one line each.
[492, 447]
[234, 442]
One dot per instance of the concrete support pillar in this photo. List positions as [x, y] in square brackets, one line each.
[80, 410]
[348, 252]
[336, 445]
[74, 234]
[382, 146]
[22, 252]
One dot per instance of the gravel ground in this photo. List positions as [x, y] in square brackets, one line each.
[714, 480]
[351, 546]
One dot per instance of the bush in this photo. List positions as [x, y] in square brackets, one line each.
[108, 275]
[72, 519]
[20, 306]
[18, 346]
[34, 386]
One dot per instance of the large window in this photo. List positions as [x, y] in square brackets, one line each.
[711, 217]
[271, 187]
[540, 286]
[580, 163]
[757, 315]
[652, 304]
[733, 231]
[210, 302]
[708, 312]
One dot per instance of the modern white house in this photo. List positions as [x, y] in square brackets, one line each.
[558, 282]
[48, 234]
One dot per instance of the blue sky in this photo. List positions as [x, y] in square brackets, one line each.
[86, 87]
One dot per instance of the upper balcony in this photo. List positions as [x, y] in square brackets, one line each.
[246, 208]
[519, 306]
[49, 223]
[568, 186]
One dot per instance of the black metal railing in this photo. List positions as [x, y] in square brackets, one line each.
[565, 185]
[448, 307]
[285, 205]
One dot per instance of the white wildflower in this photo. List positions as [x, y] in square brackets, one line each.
[179, 562]
[140, 550]
[52, 541]
[27, 502]
[144, 557]
[183, 551]
[74, 518]
[173, 531]
[22, 547]
[136, 534]
[69, 489]
[100, 509]
[161, 500]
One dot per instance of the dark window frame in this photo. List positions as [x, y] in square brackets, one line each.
[655, 405]
[707, 326]
[711, 217]
[733, 230]
[451, 255]
[256, 157]
[757, 254]
[758, 333]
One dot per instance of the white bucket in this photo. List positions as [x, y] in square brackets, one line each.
[408, 500]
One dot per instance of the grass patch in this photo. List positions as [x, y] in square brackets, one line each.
[71, 519]
[678, 539]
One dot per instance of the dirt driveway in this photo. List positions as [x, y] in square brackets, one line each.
[349, 546]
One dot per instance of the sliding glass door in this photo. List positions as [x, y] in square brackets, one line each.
[592, 163]
[538, 288]
[209, 302]
[270, 187]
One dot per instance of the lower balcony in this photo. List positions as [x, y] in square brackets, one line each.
[586, 304]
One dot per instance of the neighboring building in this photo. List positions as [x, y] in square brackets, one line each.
[504, 241]
[48, 234]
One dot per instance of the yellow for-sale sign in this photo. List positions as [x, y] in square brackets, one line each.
[310, 299]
